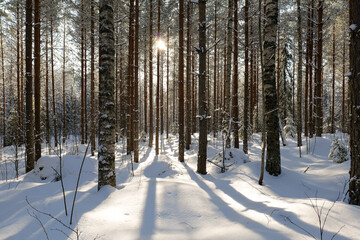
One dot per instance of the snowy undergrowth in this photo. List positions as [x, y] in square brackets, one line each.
[166, 199]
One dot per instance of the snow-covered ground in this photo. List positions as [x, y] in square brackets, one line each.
[166, 199]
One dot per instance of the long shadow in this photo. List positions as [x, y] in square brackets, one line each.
[229, 212]
[281, 214]
[148, 219]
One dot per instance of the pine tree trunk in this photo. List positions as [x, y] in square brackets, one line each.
[47, 89]
[130, 81]
[151, 111]
[299, 77]
[333, 84]
[136, 85]
[227, 97]
[53, 81]
[92, 76]
[157, 145]
[215, 97]
[188, 124]
[181, 82]
[343, 109]
[167, 81]
[235, 84]
[354, 184]
[246, 80]
[37, 83]
[202, 155]
[106, 154]
[318, 76]
[273, 163]
[30, 154]
[64, 82]
[311, 47]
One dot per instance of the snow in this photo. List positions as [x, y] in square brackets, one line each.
[353, 27]
[166, 199]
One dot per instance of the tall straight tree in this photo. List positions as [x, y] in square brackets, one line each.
[215, 97]
[273, 161]
[64, 80]
[318, 72]
[151, 111]
[158, 83]
[202, 155]
[188, 78]
[235, 99]
[181, 82]
[333, 82]
[246, 80]
[37, 84]
[354, 185]
[299, 76]
[106, 155]
[227, 97]
[30, 155]
[136, 85]
[92, 77]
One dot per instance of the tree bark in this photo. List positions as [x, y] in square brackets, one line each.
[37, 83]
[136, 85]
[246, 80]
[273, 162]
[318, 76]
[354, 184]
[235, 84]
[181, 82]
[151, 111]
[188, 124]
[92, 76]
[299, 76]
[106, 155]
[202, 155]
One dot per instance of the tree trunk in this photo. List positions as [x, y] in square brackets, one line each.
[136, 85]
[202, 155]
[343, 109]
[30, 155]
[318, 76]
[246, 80]
[188, 124]
[53, 81]
[354, 184]
[227, 97]
[215, 97]
[64, 82]
[181, 82]
[47, 89]
[106, 154]
[37, 83]
[92, 76]
[151, 111]
[158, 84]
[273, 163]
[235, 83]
[333, 84]
[299, 76]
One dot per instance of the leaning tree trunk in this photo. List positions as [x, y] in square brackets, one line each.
[273, 163]
[202, 155]
[106, 151]
[354, 185]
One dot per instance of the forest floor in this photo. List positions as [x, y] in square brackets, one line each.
[166, 199]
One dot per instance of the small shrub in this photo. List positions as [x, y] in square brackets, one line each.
[338, 152]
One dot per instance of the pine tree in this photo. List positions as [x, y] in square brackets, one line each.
[181, 82]
[202, 155]
[106, 155]
[30, 154]
[37, 79]
[354, 184]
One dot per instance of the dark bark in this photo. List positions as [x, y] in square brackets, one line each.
[92, 76]
[299, 77]
[235, 84]
[181, 82]
[151, 111]
[354, 184]
[106, 155]
[246, 80]
[202, 155]
[30, 154]
[37, 83]
[188, 124]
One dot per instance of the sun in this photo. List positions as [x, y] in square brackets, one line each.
[160, 44]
